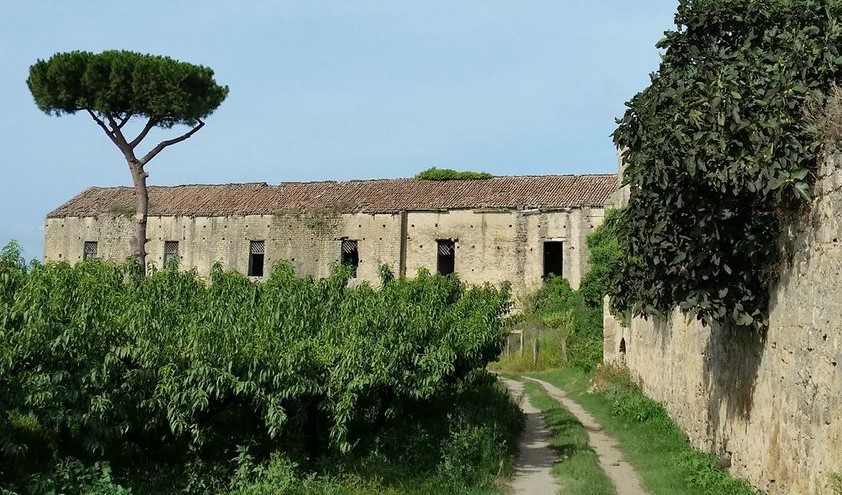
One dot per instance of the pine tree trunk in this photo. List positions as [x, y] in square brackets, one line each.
[142, 198]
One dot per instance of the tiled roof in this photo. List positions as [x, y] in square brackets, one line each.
[371, 196]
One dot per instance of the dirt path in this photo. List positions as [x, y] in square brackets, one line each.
[611, 460]
[535, 459]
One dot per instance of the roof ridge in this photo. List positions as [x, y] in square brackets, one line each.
[349, 181]
[369, 195]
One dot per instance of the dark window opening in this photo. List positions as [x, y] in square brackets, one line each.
[553, 258]
[170, 252]
[350, 255]
[446, 262]
[90, 251]
[257, 251]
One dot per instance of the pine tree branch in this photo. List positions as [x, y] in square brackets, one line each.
[124, 119]
[104, 127]
[140, 137]
[119, 139]
[163, 144]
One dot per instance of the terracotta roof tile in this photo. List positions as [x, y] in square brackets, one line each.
[372, 196]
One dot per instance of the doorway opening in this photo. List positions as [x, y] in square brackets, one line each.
[553, 259]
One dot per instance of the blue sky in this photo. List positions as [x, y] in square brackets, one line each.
[334, 90]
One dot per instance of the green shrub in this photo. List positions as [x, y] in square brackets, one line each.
[569, 331]
[277, 476]
[72, 476]
[586, 352]
[704, 475]
[469, 455]
[449, 174]
[628, 400]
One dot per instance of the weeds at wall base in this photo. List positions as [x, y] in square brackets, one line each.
[651, 441]
[835, 483]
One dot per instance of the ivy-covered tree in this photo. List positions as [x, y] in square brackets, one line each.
[114, 87]
[717, 151]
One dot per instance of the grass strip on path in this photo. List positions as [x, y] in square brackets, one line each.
[650, 440]
[578, 470]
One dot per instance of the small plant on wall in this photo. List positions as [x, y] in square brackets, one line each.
[321, 221]
[835, 484]
[121, 209]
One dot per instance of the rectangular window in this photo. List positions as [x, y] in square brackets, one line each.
[446, 262]
[350, 255]
[257, 251]
[553, 258]
[170, 252]
[90, 250]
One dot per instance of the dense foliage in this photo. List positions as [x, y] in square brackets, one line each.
[122, 82]
[604, 257]
[105, 373]
[717, 150]
[449, 174]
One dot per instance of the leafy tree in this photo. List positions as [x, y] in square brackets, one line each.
[450, 174]
[718, 152]
[114, 87]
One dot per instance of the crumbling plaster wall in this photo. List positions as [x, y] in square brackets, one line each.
[772, 401]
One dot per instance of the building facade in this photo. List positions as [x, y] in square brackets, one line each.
[517, 229]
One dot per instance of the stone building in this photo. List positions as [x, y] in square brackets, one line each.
[517, 229]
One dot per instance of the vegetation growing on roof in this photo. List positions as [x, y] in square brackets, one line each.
[450, 174]
[718, 153]
[121, 209]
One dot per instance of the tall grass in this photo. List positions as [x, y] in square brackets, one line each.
[835, 483]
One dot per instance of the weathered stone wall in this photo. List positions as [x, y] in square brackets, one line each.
[310, 241]
[773, 401]
[491, 246]
[498, 246]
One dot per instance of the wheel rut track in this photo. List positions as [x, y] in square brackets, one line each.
[530, 476]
